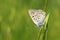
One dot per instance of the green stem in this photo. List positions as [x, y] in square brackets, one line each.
[45, 9]
[45, 26]
[39, 35]
[45, 5]
[40, 30]
[45, 30]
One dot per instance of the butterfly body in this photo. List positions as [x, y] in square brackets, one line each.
[37, 16]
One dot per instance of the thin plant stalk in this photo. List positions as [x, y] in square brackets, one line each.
[43, 27]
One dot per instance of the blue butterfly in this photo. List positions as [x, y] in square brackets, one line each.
[37, 16]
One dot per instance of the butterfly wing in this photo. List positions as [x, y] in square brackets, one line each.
[37, 16]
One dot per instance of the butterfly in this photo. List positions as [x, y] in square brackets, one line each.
[37, 16]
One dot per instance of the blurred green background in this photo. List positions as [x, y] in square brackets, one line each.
[16, 24]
